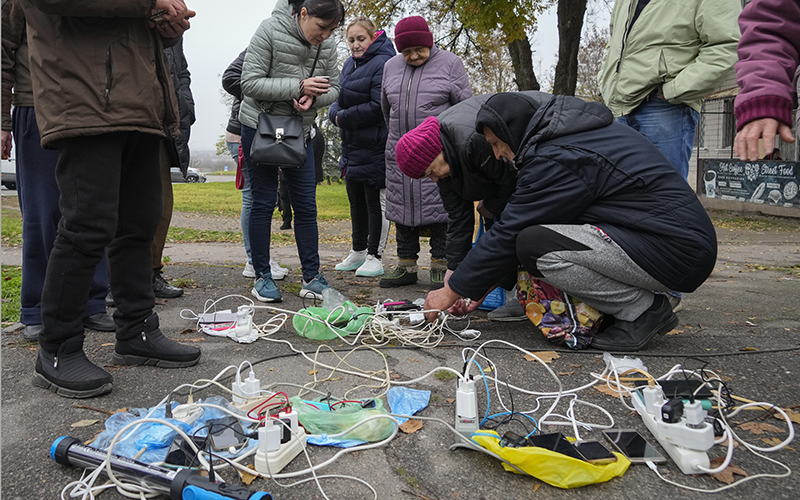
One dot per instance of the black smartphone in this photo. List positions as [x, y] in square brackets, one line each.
[555, 442]
[631, 444]
[226, 432]
[513, 440]
[181, 453]
[595, 453]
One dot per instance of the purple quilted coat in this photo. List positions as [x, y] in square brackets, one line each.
[409, 95]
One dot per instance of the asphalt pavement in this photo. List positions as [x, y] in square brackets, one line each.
[744, 322]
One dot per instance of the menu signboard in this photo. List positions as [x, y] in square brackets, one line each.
[762, 182]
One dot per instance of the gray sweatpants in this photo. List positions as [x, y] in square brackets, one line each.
[586, 263]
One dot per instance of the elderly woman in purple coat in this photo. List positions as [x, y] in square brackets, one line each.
[421, 81]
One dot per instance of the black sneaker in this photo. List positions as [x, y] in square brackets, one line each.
[437, 277]
[398, 277]
[164, 290]
[110, 299]
[69, 373]
[633, 335]
[152, 348]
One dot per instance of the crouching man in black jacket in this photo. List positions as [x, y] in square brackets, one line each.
[597, 212]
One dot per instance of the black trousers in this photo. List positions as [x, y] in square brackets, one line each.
[366, 216]
[110, 197]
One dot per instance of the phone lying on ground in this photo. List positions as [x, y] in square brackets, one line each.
[182, 454]
[635, 447]
[226, 432]
[555, 442]
[595, 453]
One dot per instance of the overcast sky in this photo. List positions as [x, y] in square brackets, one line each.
[223, 29]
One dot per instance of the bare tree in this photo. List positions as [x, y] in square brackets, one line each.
[590, 58]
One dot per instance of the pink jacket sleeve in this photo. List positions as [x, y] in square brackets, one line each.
[769, 54]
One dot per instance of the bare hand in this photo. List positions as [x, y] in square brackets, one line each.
[439, 300]
[6, 144]
[303, 104]
[171, 10]
[168, 31]
[316, 86]
[481, 208]
[746, 143]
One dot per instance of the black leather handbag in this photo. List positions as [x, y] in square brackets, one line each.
[279, 139]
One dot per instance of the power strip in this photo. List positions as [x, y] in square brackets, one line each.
[272, 462]
[687, 440]
[466, 408]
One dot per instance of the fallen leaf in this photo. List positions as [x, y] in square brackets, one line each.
[272, 369]
[411, 426]
[188, 330]
[536, 487]
[200, 339]
[108, 344]
[748, 349]
[772, 441]
[247, 478]
[412, 359]
[575, 366]
[313, 372]
[450, 400]
[608, 391]
[546, 356]
[793, 416]
[726, 476]
[395, 375]
[566, 373]
[674, 332]
[724, 378]
[759, 428]
[85, 423]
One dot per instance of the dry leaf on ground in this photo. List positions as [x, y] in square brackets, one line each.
[726, 476]
[313, 372]
[608, 391]
[793, 415]
[536, 487]
[450, 400]
[546, 356]
[247, 478]
[85, 423]
[759, 428]
[199, 339]
[411, 426]
[674, 332]
[395, 375]
[566, 373]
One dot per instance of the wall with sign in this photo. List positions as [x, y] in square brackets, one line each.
[761, 182]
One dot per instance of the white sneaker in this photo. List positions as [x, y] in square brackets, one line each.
[249, 270]
[371, 267]
[278, 272]
[353, 261]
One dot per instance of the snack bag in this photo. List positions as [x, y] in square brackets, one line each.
[563, 319]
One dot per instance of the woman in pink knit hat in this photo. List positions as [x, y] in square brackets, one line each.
[422, 81]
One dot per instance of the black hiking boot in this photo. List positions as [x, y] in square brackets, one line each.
[630, 336]
[398, 277]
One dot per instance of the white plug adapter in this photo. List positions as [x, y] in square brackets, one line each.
[466, 408]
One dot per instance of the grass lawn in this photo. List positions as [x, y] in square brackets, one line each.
[222, 198]
[12, 281]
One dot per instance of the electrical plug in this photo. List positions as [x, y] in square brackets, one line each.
[694, 413]
[187, 413]
[466, 407]
[245, 389]
[244, 322]
[269, 437]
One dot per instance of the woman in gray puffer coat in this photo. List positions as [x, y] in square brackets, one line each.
[290, 66]
[422, 81]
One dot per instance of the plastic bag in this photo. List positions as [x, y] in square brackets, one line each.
[319, 418]
[341, 321]
[553, 468]
[407, 401]
[563, 319]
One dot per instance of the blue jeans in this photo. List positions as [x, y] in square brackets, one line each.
[670, 127]
[247, 197]
[303, 192]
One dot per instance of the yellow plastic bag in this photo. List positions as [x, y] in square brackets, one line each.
[553, 468]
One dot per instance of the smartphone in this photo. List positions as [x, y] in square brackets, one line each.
[225, 433]
[555, 442]
[181, 453]
[631, 444]
[595, 453]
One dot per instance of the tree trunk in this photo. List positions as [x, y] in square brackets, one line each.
[570, 24]
[522, 60]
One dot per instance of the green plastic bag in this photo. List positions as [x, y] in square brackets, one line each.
[343, 321]
[318, 418]
[553, 468]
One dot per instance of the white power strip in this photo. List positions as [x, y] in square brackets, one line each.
[466, 408]
[685, 441]
[272, 462]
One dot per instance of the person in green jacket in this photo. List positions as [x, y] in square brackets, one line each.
[662, 59]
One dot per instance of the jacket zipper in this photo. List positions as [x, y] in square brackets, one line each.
[408, 102]
[628, 29]
[109, 77]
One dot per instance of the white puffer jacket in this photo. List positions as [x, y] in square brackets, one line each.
[277, 58]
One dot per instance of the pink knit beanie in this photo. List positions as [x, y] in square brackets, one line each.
[412, 32]
[417, 149]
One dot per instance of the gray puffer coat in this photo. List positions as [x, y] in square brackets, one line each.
[409, 95]
[277, 58]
